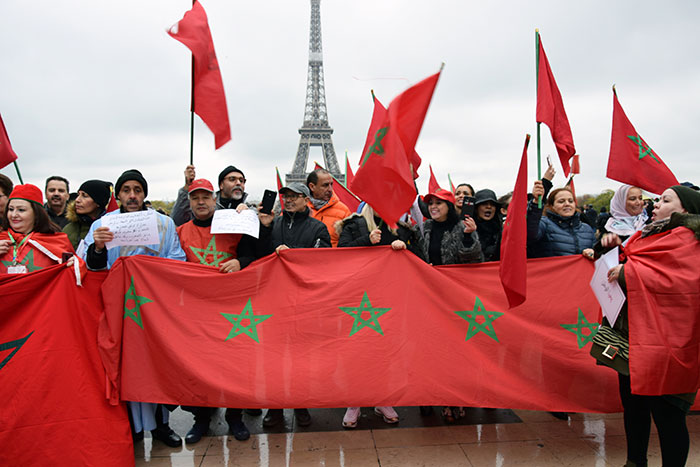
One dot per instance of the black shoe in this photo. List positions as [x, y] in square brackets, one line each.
[426, 410]
[560, 415]
[273, 417]
[165, 434]
[303, 417]
[239, 430]
[254, 412]
[196, 432]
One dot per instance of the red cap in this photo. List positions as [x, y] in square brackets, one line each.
[27, 192]
[444, 195]
[201, 184]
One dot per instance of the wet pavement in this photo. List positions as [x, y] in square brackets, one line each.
[485, 437]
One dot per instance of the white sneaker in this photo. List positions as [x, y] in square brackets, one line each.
[387, 413]
[351, 416]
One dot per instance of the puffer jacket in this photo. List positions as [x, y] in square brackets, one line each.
[333, 211]
[452, 247]
[555, 235]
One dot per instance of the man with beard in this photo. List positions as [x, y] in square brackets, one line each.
[231, 194]
[57, 193]
[325, 205]
[131, 190]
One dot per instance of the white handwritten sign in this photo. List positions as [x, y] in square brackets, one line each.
[230, 221]
[609, 294]
[132, 228]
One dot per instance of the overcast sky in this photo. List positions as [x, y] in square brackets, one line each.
[89, 89]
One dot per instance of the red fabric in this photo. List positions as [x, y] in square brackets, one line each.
[389, 160]
[663, 293]
[305, 355]
[32, 257]
[196, 243]
[550, 110]
[349, 176]
[209, 97]
[27, 192]
[632, 161]
[433, 184]
[513, 266]
[279, 187]
[345, 196]
[575, 165]
[7, 154]
[54, 410]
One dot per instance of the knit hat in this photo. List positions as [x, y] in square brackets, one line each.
[484, 196]
[98, 191]
[27, 192]
[227, 171]
[201, 184]
[440, 194]
[690, 199]
[298, 188]
[132, 174]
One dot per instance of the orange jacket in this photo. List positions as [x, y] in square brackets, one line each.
[329, 214]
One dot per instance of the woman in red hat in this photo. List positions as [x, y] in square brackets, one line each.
[29, 240]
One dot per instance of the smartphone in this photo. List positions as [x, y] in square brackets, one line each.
[65, 256]
[549, 160]
[268, 201]
[468, 206]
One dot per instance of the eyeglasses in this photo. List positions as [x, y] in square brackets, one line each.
[233, 179]
[291, 197]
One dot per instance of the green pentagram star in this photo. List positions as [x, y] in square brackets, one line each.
[135, 311]
[203, 253]
[15, 344]
[251, 330]
[581, 338]
[474, 326]
[376, 147]
[360, 322]
[644, 149]
[28, 261]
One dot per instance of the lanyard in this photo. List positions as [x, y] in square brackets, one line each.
[17, 249]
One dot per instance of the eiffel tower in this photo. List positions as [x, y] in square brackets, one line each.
[315, 131]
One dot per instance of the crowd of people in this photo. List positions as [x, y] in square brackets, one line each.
[450, 228]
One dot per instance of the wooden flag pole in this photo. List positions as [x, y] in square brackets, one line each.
[537, 81]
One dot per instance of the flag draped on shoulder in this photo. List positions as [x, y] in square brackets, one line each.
[209, 97]
[7, 155]
[550, 109]
[632, 161]
[389, 160]
[513, 266]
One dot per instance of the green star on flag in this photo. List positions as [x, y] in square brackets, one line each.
[578, 328]
[203, 253]
[474, 325]
[360, 322]
[376, 147]
[15, 344]
[644, 149]
[134, 311]
[28, 261]
[251, 330]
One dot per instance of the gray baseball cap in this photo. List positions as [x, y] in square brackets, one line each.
[296, 187]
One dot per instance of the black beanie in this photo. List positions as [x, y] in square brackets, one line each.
[227, 171]
[98, 191]
[132, 174]
[690, 199]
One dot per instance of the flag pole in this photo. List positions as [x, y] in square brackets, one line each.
[192, 109]
[537, 82]
[346, 167]
[18, 174]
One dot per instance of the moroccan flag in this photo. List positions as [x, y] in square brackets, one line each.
[54, 410]
[7, 155]
[267, 339]
[550, 109]
[349, 176]
[387, 168]
[279, 187]
[513, 266]
[575, 165]
[209, 98]
[632, 161]
[433, 185]
[452, 185]
[345, 196]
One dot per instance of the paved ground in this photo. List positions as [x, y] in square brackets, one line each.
[484, 438]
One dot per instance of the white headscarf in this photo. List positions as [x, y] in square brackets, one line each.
[621, 222]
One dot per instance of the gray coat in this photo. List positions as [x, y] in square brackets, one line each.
[452, 248]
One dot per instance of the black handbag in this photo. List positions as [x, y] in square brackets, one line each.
[610, 348]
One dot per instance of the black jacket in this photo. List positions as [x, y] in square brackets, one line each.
[296, 230]
[356, 233]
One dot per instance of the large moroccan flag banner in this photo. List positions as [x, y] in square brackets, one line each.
[52, 382]
[352, 327]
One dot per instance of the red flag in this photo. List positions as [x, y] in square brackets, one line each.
[550, 109]
[209, 98]
[349, 176]
[7, 155]
[279, 187]
[433, 185]
[386, 173]
[112, 206]
[54, 410]
[631, 159]
[575, 166]
[513, 266]
[452, 185]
